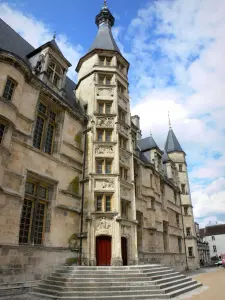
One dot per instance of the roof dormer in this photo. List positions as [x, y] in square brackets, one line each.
[49, 64]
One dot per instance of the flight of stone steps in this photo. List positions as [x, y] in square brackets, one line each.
[127, 283]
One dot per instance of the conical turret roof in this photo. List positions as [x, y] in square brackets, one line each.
[165, 157]
[147, 143]
[104, 39]
[172, 144]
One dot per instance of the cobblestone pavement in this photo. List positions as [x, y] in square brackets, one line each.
[213, 280]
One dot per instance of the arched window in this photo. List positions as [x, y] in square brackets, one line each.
[54, 72]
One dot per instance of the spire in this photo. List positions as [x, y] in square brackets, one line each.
[104, 39]
[172, 144]
[170, 127]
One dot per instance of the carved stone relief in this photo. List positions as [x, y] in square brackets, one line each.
[101, 150]
[123, 129]
[124, 158]
[125, 193]
[105, 92]
[123, 103]
[105, 122]
[105, 184]
[125, 230]
[103, 227]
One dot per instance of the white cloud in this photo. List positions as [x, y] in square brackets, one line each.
[37, 33]
[177, 50]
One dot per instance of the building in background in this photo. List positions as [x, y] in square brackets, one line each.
[137, 204]
[214, 235]
[203, 247]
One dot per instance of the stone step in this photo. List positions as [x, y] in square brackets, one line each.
[156, 277]
[16, 288]
[109, 268]
[184, 290]
[168, 279]
[174, 282]
[41, 296]
[84, 293]
[94, 279]
[179, 286]
[98, 288]
[101, 283]
[108, 275]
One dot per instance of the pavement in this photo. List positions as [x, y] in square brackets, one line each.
[213, 280]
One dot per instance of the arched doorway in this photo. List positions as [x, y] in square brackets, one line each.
[103, 250]
[124, 250]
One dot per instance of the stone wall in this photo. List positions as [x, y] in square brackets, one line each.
[173, 260]
[27, 263]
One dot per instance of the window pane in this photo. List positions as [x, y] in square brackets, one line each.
[101, 108]
[108, 61]
[108, 135]
[101, 60]
[99, 203]
[39, 224]
[100, 136]
[42, 108]
[108, 109]
[52, 115]
[25, 222]
[30, 188]
[101, 79]
[49, 139]
[38, 132]
[9, 88]
[125, 174]
[108, 80]
[108, 203]
[43, 192]
[2, 129]
[108, 167]
[99, 166]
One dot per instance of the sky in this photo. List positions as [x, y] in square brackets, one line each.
[176, 51]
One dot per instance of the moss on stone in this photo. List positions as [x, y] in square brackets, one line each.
[74, 185]
[71, 261]
[78, 139]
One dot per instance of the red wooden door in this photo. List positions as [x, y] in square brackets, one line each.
[103, 251]
[124, 250]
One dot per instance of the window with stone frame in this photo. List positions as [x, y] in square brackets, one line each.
[103, 202]
[105, 60]
[180, 245]
[122, 142]
[183, 188]
[9, 89]
[105, 79]
[178, 220]
[121, 88]
[45, 128]
[186, 211]
[2, 131]
[104, 107]
[124, 173]
[122, 115]
[124, 209]
[180, 167]
[188, 231]
[33, 217]
[103, 166]
[55, 73]
[190, 252]
[104, 135]
[121, 67]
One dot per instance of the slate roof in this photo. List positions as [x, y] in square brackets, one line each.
[12, 42]
[212, 230]
[104, 39]
[165, 157]
[172, 144]
[147, 143]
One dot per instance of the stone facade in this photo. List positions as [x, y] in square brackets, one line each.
[128, 193]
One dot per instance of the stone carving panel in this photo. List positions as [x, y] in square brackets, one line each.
[125, 193]
[107, 184]
[124, 158]
[123, 129]
[103, 227]
[105, 122]
[125, 230]
[104, 92]
[102, 150]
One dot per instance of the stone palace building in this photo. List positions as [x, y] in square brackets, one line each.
[74, 166]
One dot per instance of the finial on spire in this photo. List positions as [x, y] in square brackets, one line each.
[150, 132]
[170, 126]
[54, 35]
[105, 3]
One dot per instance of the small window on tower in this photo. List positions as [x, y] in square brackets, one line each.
[180, 167]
